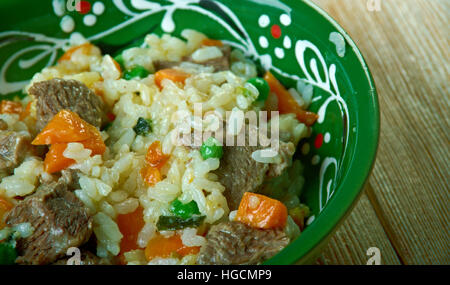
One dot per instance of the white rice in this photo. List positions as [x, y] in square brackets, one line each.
[206, 53]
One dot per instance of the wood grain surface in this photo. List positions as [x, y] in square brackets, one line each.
[405, 210]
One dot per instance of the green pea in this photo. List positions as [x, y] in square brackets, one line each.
[211, 149]
[262, 86]
[184, 211]
[8, 254]
[137, 71]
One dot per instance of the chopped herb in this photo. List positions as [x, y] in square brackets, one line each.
[171, 223]
[143, 126]
[8, 253]
[184, 211]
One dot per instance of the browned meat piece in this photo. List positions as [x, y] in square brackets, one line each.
[3, 125]
[59, 219]
[71, 177]
[236, 243]
[286, 152]
[13, 147]
[87, 258]
[239, 173]
[220, 64]
[57, 94]
[163, 64]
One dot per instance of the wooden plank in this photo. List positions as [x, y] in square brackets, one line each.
[356, 235]
[406, 47]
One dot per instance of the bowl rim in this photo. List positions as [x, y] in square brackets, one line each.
[362, 158]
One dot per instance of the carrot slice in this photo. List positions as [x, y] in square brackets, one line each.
[5, 206]
[10, 107]
[130, 226]
[287, 104]
[95, 144]
[55, 160]
[260, 211]
[155, 157]
[150, 175]
[66, 126]
[85, 49]
[171, 74]
[211, 42]
[160, 246]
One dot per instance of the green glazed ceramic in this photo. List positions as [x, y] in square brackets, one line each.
[293, 38]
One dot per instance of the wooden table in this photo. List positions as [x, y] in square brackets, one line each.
[405, 208]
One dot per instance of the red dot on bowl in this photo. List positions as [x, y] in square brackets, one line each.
[275, 31]
[83, 7]
[318, 141]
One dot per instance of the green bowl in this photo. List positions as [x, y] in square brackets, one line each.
[289, 37]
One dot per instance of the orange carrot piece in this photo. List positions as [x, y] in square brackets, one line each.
[85, 49]
[260, 211]
[5, 206]
[171, 74]
[160, 246]
[10, 107]
[150, 175]
[55, 160]
[286, 103]
[155, 157]
[186, 250]
[66, 126]
[25, 113]
[211, 42]
[130, 226]
[95, 144]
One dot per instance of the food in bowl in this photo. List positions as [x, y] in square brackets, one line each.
[180, 151]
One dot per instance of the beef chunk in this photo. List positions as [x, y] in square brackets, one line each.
[57, 94]
[13, 147]
[59, 219]
[239, 173]
[236, 243]
[286, 152]
[3, 125]
[163, 64]
[71, 177]
[219, 64]
[87, 258]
